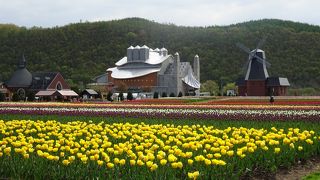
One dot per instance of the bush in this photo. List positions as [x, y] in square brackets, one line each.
[164, 94]
[155, 95]
[15, 97]
[130, 96]
[109, 96]
[2, 97]
[31, 96]
[121, 98]
[172, 95]
[180, 94]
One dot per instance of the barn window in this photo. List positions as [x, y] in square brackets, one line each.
[59, 86]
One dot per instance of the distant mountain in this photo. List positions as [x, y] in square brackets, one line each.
[82, 51]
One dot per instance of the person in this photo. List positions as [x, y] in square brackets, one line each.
[271, 99]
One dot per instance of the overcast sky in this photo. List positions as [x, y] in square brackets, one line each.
[49, 13]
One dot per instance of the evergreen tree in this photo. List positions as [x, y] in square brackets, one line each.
[109, 96]
[121, 98]
[130, 96]
[164, 94]
[155, 95]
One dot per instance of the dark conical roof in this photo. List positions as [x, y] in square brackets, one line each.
[21, 77]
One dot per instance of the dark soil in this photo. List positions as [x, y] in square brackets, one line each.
[296, 172]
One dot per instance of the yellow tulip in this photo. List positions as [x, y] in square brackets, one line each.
[100, 163]
[110, 165]
[163, 162]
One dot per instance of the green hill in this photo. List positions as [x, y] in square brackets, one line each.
[83, 50]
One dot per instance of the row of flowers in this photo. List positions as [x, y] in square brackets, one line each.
[142, 151]
[173, 113]
[161, 106]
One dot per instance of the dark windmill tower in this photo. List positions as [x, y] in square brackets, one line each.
[257, 81]
[254, 82]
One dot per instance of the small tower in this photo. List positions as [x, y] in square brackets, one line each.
[176, 68]
[196, 67]
[130, 53]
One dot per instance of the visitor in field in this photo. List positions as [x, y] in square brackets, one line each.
[271, 100]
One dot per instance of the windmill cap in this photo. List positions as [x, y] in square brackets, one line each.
[258, 50]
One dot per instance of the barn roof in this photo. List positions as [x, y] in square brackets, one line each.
[191, 80]
[154, 58]
[131, 73]
[277, 81]
[41, 80]
[90, 91]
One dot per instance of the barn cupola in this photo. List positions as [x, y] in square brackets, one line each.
[144, 53]
[130, 54]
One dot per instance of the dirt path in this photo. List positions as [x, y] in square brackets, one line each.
[300, 170]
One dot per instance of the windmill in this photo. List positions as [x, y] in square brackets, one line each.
[257, 63]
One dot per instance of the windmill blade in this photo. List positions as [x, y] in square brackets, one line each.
[244, 48]
[245, 66]
[261, 42]
[260, 60]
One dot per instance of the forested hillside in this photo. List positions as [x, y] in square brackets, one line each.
[84, 50]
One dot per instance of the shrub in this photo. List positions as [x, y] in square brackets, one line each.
[155, 95]
[121, 98]
[180, 94]
[109, 96]
[172, 95]
[164, 94]
[2, 97]
[130, 96]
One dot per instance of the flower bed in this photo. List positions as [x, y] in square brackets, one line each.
[173, 113]
[51, 149]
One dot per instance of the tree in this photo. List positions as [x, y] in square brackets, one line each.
[164, 94]
[229, 86]
[121, 96]
[210, 86]
[2, 97]
[109, 96]
[130, 96]
[31, 96]
[155, 95]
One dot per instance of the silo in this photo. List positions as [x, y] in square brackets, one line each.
[129, 53]
[136, 53]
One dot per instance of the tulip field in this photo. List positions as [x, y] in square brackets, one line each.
[154, 141]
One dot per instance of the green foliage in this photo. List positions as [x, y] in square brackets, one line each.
[130, 96]
[164, 94]
[229, 86]
[303, 92]
[31, 96]
[210, 86]
[82, 51]
[109, 96]
[155, 95]
[2, 97]
[180, 94]
[121, 96]
[172, 95]
[312, 176]
[15, 97]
